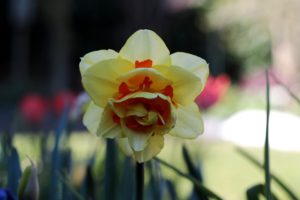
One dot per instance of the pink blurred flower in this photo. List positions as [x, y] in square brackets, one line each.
[214, 90]
[33, 108]
[62, 99]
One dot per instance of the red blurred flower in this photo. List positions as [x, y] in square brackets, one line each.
[61, 100]
[214, 90]
[33, 108]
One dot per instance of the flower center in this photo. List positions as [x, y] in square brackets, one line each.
[145, 85]
[142, 113]
[150, 119]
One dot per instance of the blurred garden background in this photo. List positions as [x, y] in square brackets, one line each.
[42, 99]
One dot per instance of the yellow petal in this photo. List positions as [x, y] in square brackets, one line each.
[189, 123]
[100, 79]
[136, 77]
[137, 141]
[156, 143]
[124, 146]
[108, 128]
[143, 45]
[92, 117]
[194, 64]
[186, 85]
[95, 56]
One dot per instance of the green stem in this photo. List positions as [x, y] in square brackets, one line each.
[139, 181]
[266, 149]
[196, 183]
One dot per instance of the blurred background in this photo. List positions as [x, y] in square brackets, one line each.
[42, 42]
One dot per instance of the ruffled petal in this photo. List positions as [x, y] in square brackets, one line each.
[189, 122]
[186, 85]
[121, 110]
[95, 56]
[100, 79]
[143, 45]
[138, 110]
[156, 143]
[194, 64]
[137, 140]
[108, 128]
[135, 77]
[169, 124]
[92, 117]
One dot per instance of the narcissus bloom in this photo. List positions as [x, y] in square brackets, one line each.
[142, 93]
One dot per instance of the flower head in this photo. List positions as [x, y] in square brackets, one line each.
[33, 107]
[142, 93]
[213, 92]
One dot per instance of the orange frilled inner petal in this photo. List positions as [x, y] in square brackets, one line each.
[143, 64]
[145, 85]
[168, 91]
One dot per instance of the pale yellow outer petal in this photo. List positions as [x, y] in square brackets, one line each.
[108, 128]
[143, 45]
[124, 146]
[92, 117]
[189, 122]
[100, 79]
[156, 143]
[95, 56]
[194, 64]
[186, 85]
[137, 141]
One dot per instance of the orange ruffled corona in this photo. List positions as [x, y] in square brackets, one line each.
[142, 93]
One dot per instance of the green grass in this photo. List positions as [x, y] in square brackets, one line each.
[225, 171]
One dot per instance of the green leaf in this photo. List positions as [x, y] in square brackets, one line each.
[171, 190]
[88, 185]
[126, 186]
[194, 172]
[196, 182]
[255, 191]
[275, 178]
[14, 170]
[66, 182]
[29, 185]
[155, 186]
[54, 192]
[24, 181]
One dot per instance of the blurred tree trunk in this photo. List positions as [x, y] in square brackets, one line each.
[283, 50]
[21, 14]
[284, 61]
[58, 18]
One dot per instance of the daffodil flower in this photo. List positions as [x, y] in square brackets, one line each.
[142, 93]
